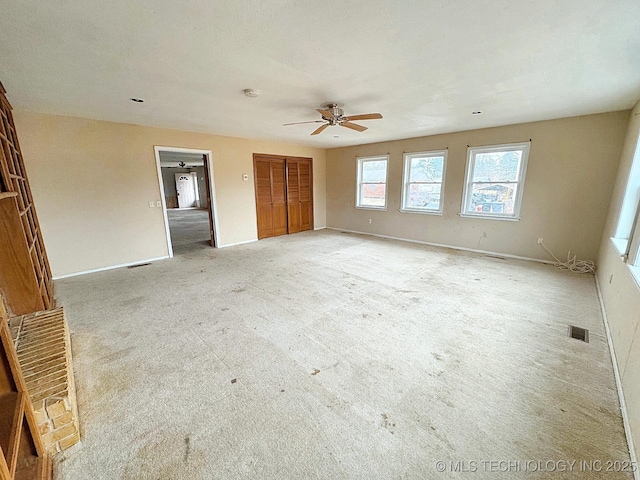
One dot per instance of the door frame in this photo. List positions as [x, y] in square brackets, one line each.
[212, 191]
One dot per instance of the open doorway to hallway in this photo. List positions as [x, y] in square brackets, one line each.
[188, 197]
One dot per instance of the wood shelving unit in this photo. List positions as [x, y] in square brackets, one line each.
[23, 455]
[13, 179]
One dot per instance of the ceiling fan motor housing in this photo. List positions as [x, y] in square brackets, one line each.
[337, 114]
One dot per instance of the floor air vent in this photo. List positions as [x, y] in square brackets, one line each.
[139, 265]
[579, 333]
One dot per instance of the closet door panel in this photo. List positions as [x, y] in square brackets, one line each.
[262, 175]
[305, 186]
[293, 196]
[279, 197]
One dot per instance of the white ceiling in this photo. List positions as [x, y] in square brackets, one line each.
[425, 65]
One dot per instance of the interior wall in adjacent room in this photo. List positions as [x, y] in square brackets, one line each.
[93, 180]
[569, 180]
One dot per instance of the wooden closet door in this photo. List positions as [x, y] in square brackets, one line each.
[279, 196]
[271, 196]
[306, 194]
[293, 196]
[262, 175]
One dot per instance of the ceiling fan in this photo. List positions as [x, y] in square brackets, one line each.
[332, 114]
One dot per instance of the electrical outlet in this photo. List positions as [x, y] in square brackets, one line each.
[158, 203]
[369, 221]
[539, 240]
[151, 203]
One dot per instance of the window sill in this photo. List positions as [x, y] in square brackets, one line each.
[382, 209]
[421, 212]
[620, 245]
[489, 217]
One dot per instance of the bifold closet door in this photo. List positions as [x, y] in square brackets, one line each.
[293, 196]
[271, 199]
[299, 195]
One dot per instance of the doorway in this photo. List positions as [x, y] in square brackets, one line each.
[187, 190]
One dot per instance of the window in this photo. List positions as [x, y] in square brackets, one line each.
[628, 231]
[423, 180]
[494, 181]
[372, 182]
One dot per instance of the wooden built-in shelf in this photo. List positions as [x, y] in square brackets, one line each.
[22, 452]
[10, 406]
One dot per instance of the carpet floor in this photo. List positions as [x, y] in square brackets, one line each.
[328, 355]
[189, 229]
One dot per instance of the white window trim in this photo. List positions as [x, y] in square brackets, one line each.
[627, 236]
[466, 195]
[407, 157]
[632, 250]
[359, 162]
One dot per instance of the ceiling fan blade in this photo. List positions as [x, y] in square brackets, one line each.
[364, 116]
[353, 126]
[299, 123]
[320, 129]
[325, 113]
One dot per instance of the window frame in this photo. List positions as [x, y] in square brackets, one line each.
[627, 234]
[632, 253]
[468, 180]
[360, 161]
[406, 181]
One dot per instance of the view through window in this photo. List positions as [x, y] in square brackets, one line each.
[495, 177]
[372, 182]
[423, 180]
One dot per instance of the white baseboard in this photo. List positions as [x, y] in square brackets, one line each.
[319, 228]
[111, 267]
[238, 243]
[616, 373]
[441, 245]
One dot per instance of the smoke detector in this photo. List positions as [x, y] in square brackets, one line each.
[251, 93]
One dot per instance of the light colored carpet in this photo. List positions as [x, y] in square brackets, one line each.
[336, 356]
[189, 229]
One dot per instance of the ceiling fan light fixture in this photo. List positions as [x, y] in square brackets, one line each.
[332, 115]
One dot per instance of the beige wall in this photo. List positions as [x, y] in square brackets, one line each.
[620, 293]
[92, 182]
[570, 177]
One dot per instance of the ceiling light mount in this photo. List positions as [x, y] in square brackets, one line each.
[250, 92]
[477, 112]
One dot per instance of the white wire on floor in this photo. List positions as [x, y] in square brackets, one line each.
[572, 264]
